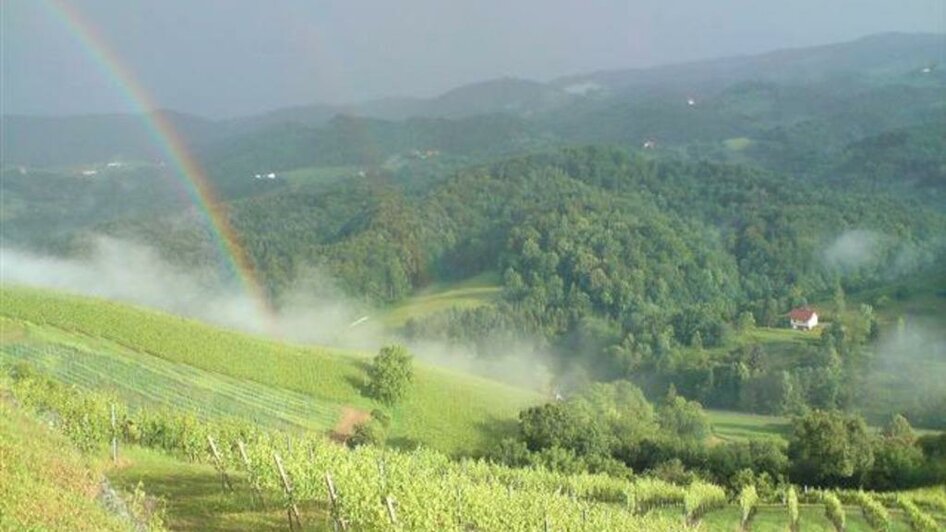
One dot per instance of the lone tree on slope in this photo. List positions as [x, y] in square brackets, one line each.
[390, 374]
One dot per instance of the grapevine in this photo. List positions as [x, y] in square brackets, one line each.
[748, 500]
[874, 512]
[791, 500]
[919, 520]
[834, 511]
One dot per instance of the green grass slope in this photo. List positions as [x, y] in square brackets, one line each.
[471, 293]
[739, 426]
[144, 380]
[44, 483]
[148, 354]
[194, 499]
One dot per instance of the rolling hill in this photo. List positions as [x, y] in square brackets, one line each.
[152, 358]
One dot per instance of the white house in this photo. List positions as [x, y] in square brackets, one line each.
[803, 318]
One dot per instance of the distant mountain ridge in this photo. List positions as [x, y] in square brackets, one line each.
[871, 56]
[917, 60]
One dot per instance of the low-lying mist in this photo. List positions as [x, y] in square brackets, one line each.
[908, 372]
[135, 273]
[313, 311]
[865, 250]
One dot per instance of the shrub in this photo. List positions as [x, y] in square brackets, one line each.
[367, 433]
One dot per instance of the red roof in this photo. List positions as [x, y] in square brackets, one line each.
[801, 314]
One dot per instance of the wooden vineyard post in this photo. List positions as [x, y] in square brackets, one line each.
[257, 492]
[114, 437]
[218, 461]
[292, 511]
[389, 502]
[333, 500]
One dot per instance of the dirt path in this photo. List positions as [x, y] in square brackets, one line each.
[346, 425]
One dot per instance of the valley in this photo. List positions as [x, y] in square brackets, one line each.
[707, 295]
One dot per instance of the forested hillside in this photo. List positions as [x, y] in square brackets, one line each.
[657, 227]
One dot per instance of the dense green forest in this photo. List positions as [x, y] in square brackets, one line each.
[624, 265]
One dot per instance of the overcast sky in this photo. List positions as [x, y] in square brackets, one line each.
[230, 57]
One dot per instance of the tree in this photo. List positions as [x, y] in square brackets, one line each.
[899, 430]
[873, 331]
[560, 425]
[618, 406]
[548, 425]
[829, 447]
[746, 321]
[511, 452]
[771, 392]
[390, 374]
[867, 315]
[683, 419]
[840, 303]
[696, 341]
[828, 357]
[898, 461]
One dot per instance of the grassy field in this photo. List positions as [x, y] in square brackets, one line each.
[48, 485]
[921, 296]
[445, 410]
[773, 518]
[194, 498]
[736, 426]
[471, 293]
[44, 483]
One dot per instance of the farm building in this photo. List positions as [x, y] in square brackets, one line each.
[803, 318]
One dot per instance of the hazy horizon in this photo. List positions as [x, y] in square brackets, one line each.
[240, 58]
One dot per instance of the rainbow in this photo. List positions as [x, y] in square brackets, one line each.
[195, 183]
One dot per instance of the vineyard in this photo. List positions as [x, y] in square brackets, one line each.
[149, 357]
[372, 488]
[146, 381]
